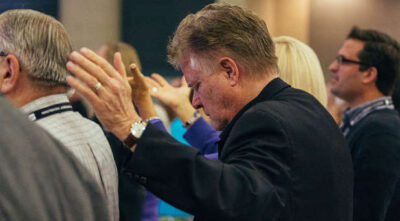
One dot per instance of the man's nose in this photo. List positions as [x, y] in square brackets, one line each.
[334, 66]
[196, 103]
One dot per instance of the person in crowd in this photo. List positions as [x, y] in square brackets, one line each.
[35, 49]
[39, 178]
[281, 155]
[364, 72]
[298, 65]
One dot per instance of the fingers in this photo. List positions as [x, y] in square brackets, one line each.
[139, 81]
[151, 83]
[131, 81]
[112, 101]
[137, 75]
[153, 87]
[83, 89]
[160, 79]
[119, 65]
[107, 69]
[84, 76]
[86, 70]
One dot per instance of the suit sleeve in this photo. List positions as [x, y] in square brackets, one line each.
[248, 184]
[376, 169]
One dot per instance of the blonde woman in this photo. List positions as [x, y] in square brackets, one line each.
[299, 66]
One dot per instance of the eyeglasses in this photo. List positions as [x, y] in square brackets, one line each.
[342, 60]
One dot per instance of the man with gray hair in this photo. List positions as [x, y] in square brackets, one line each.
[34, 51]
[281, 155]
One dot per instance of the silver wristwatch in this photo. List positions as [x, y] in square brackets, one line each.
[137, 129]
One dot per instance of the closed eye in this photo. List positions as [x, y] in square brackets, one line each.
[196, 86]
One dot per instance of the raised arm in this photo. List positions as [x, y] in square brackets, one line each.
[176, 98]
[107, 89]
[199, 134]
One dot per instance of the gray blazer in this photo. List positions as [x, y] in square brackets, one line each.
[39, 178]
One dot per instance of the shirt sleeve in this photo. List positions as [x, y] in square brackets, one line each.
[158, 123]
[203, 136]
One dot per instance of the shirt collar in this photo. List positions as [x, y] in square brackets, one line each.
[352, 116]
[44, 102]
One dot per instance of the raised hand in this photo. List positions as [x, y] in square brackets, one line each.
[106, 88]
[140, 94]
[177, 98]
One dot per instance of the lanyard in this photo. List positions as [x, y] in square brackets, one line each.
[349, 120]
[50, 110]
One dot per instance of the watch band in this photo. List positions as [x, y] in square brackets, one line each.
[130, 140]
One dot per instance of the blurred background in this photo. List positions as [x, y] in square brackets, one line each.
[148, 24]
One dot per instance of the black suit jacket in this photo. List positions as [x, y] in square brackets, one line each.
[374, 143]
[282, 157]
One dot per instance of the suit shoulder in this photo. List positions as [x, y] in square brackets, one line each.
[382, 121]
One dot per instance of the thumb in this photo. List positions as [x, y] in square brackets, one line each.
[135, 72]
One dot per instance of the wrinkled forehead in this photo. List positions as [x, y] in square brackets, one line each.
[204, 63]
[190, 59]
[190, 68]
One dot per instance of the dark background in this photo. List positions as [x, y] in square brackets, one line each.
[49, 7]
[148, 24]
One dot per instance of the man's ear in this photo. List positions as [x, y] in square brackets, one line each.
[230, 69]
[370, 75]
[10, 74]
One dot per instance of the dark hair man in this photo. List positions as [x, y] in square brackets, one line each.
[281, 156]
[364, 73]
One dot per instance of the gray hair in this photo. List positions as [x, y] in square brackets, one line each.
[224, 28]
[40, 42]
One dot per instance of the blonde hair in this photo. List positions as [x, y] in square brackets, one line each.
[40, 42]
[224, 29]
[128, 53]
[299, 66]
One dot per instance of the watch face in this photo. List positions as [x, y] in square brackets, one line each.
[138, 128]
